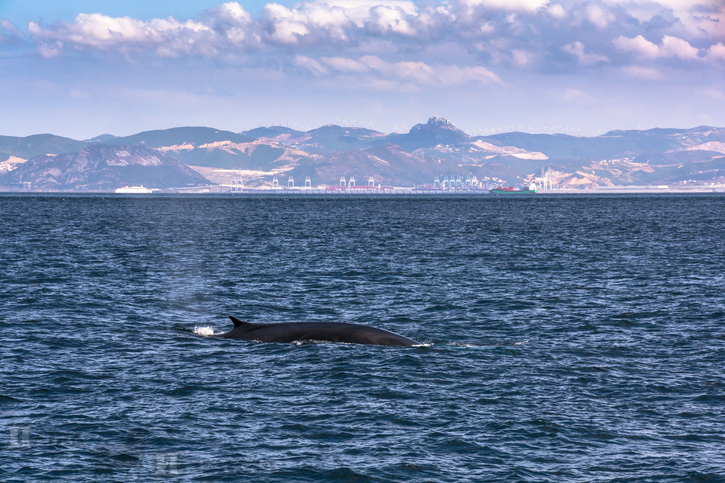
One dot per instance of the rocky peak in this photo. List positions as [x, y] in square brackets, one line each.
[438, 130]
[437, 126]
[441, 123]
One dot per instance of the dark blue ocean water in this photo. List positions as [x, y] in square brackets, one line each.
[566, 339]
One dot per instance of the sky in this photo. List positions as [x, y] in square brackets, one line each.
[80, 68]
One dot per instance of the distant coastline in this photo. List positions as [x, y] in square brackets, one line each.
[215, 191]
[431, 158]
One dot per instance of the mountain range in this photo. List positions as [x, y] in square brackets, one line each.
[196, 156]
[103, 167]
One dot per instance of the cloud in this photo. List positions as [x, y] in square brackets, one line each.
[556, 11]
[310, 23]
[232, 13]
[284, 25]
[310, 65]
[423, 74]
[102, 32]
[454, 75]
[529, 6]
[699, 19]
[384, 20]
[598, 16]
[9, 34]
[236, 24]
[674, 47]
[716, 52]
[639, 45]
[525, 35]
[342, 64]
[577, 50]
[696, 17]
[359, 10]
[671, 47]
[377, 71]
[418, 72]
[168, 37]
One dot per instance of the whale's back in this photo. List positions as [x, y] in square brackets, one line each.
[321, 331]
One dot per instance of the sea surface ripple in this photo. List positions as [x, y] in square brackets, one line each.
[565, 338]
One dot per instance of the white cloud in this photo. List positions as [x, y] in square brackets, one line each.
[577, 50]
[169, 37]
[455, 75]
[311, 23]
[638, 44]
[101, 31]
[710, 25]
[698, 18]
[716, 52]
[556, 11]
[375, 70]
[359, 10]
[310, 64]
[678, 3]
[50, 50]
[674, 47]
[433, 20]
[232, 12]
[342, 64]
[374, 62]
[642, 10]
[515, 33]
[671, 47]
[236, 24]
[308, 46]
[599, 16]
[9, 33]
[384, 19]
[285, 26]
[418, 72]
[506, 5]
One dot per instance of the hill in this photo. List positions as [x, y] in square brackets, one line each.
[180, 136]
[35, 145]
[433, 149]
[204, 146]
[100, 167]
[437, 131]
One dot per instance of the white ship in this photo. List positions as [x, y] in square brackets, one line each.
[134, 189]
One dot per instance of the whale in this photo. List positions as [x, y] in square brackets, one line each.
[286, 332]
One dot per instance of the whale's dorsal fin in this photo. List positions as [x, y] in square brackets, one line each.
[237, 322]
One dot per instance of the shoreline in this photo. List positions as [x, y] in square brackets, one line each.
[634, 190]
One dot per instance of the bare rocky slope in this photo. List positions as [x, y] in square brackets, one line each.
[100, 167]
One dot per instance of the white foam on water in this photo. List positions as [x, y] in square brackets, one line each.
[461, 344]
[204, 331]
